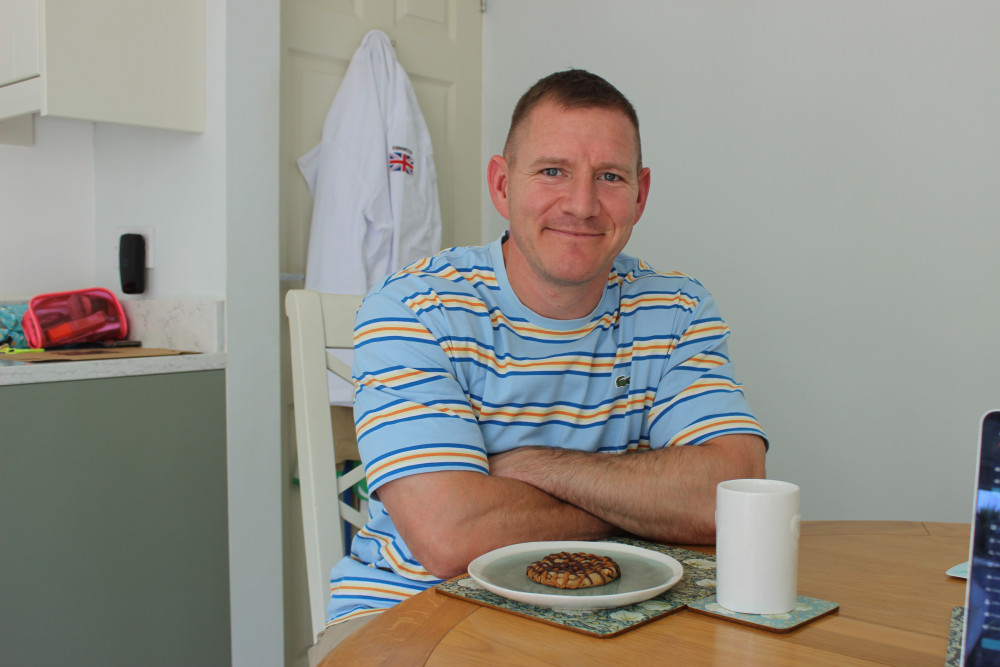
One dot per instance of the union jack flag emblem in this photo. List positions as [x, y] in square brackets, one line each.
[400, 161]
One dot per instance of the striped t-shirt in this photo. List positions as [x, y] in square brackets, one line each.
[450, 368]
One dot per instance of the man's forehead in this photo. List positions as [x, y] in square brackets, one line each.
[553, 110]
[540, 134]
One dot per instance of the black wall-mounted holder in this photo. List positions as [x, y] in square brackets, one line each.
[132, 263]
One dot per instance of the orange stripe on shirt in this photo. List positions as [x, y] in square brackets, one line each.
[715, 424]
[366, 423]
[412, 457]
[372, 589]
[618, 407]
[370, 331]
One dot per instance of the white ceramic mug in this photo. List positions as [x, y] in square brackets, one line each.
[757, 545]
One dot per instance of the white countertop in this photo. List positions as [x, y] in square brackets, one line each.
[197, 325]
[16, 372]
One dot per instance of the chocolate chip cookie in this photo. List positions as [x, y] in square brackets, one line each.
[576, 570]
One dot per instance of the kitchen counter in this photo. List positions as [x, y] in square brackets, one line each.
[15, 372]
[195, 325]
[118, 470]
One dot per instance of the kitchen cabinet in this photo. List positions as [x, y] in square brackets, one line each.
[114, 521]
[20, 21]
[138, 62]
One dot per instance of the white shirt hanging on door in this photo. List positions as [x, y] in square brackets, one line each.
[374, 186]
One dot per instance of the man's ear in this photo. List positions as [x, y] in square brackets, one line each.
[643, 193]
[497, 181]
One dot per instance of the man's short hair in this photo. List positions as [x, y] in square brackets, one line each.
[573, 89]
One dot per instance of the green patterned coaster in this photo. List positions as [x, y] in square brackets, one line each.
[808, 609]
[954, 655]
[697, 582]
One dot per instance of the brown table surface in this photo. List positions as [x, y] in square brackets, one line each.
[887, 576]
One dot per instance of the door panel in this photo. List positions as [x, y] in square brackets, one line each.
[439, 44]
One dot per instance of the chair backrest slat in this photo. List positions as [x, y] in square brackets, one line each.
[317, 322]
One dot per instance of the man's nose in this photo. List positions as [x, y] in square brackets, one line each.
[581, 199]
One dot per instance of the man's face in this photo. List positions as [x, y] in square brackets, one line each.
[572, 191]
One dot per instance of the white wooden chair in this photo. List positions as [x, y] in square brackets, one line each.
[317, 322]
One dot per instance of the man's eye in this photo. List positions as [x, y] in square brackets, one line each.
[550, 171]
[608, 176]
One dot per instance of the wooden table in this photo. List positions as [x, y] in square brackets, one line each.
[888, 578]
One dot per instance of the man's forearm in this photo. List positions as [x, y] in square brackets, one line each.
[449, 518]
[666, 494]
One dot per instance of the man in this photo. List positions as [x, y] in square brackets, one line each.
[546, 386]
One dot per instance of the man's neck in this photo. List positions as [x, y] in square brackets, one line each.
[556, 302]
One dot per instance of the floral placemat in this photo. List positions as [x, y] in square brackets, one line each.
[806, 609]
[699, 570]
[954, 655]
[698, 582]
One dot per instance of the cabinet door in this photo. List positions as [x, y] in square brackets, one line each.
[138, 62]
[114, 522]
[18, 41]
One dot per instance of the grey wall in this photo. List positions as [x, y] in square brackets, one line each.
[831, 171]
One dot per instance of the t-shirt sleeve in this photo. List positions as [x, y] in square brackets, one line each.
[411, 413]
[698, 397]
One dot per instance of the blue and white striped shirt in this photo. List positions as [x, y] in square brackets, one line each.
[450, 368]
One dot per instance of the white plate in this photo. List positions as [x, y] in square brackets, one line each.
[644, 574]
[960, 571]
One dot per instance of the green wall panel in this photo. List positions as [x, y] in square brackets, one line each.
[114, 522]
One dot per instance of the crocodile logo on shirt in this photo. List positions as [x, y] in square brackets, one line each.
[622, 381]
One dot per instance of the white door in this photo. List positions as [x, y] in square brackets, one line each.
[439, 44]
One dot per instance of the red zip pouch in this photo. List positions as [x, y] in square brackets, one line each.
[80, 316]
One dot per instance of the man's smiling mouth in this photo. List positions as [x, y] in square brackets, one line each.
[577, 232]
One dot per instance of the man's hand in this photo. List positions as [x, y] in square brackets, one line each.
[667, 495]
